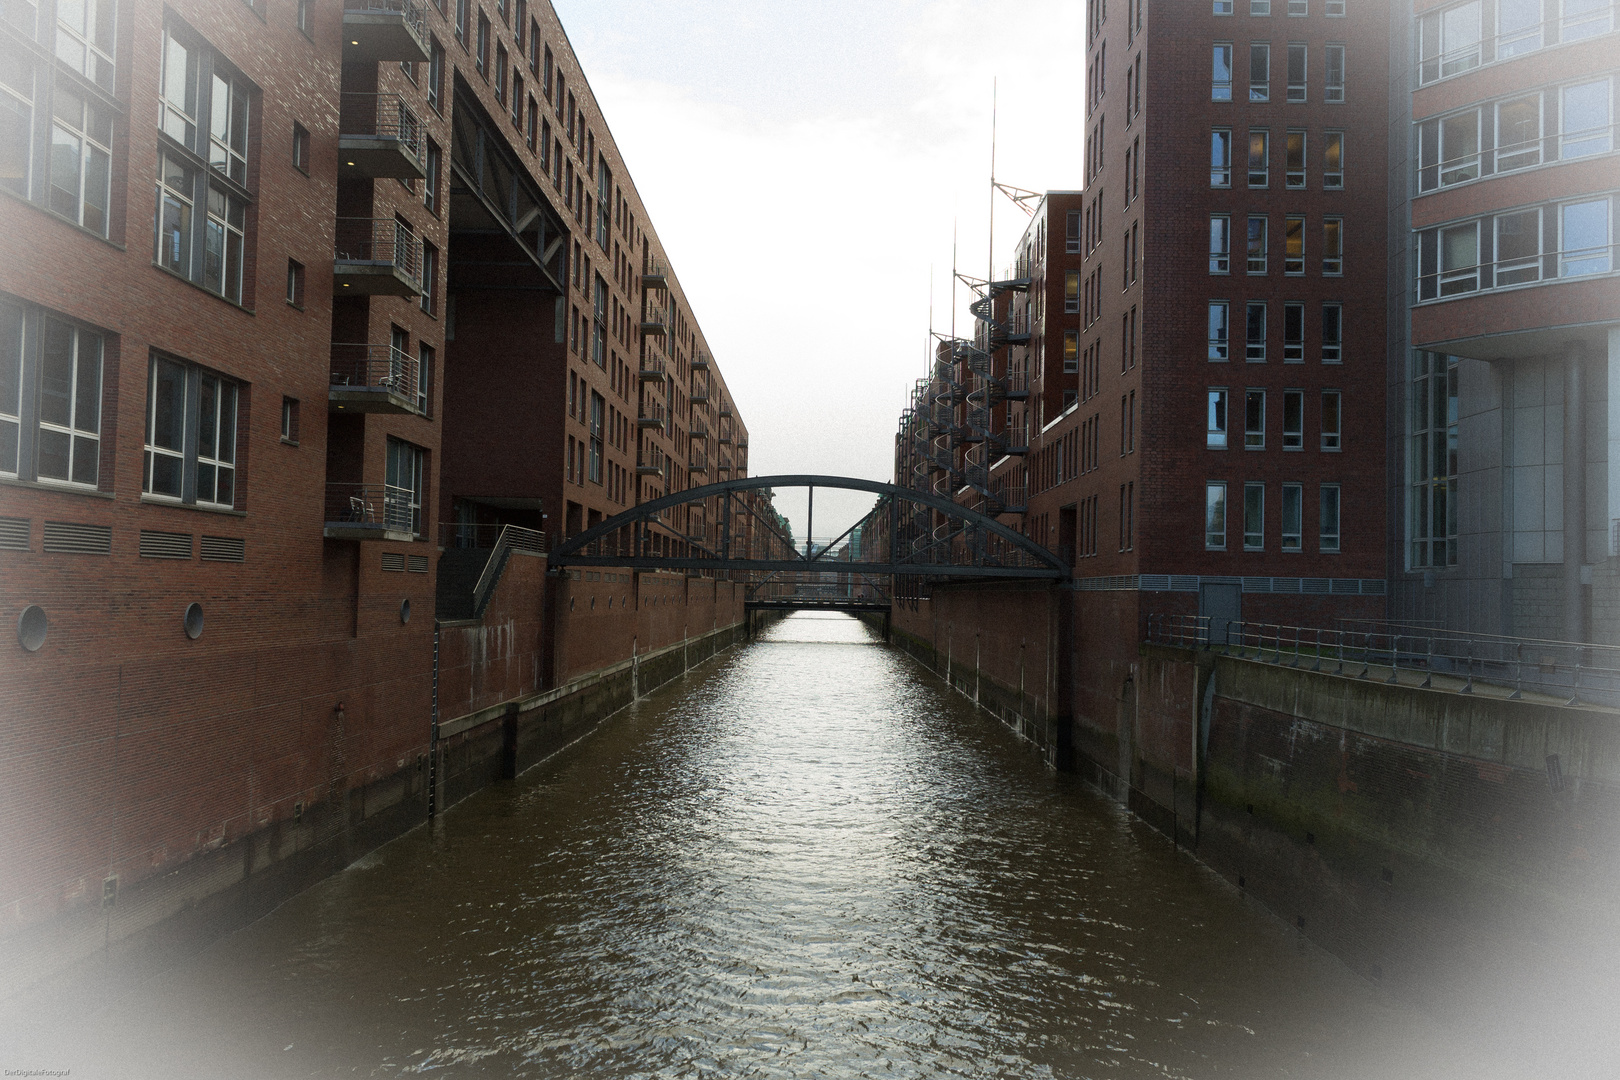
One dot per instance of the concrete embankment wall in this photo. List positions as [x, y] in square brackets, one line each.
[497, 716]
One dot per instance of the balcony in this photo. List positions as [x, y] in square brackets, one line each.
[375, 379]
[725, 432]
[381, 30]
[700, 361]
[699, 430]
[380, 137]
[1018, 328]
[654, 323]
[650, 464]
[725, 408]
[370, 512]
[698, 462]
[652, 368]
[652, 416]
[699, 395]
[376, 257]
[656, 275]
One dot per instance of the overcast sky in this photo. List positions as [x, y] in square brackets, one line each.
[805, 164]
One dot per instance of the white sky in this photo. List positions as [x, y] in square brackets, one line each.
[804, 164]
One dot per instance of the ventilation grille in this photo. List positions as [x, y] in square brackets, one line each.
[224, 548]
[418, 564]
[14, 534]
[74, 539]
[393, 560]
[165, 545]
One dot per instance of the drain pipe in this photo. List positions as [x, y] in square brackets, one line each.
[433, 733]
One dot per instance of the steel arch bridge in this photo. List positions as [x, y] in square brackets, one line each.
[732, 528]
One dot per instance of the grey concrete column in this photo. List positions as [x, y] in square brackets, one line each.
[1574, 491]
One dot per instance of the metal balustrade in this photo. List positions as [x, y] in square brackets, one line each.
[1570, 672]
[377, 255]
[1546, 267]
[1495, 48]
[375, 378]
[381, 135]
[356, 509]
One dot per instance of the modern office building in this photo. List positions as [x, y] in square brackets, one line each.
[300, 300]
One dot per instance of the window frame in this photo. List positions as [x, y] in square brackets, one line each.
[1332, 344]
[1332, 246]
[35, 393]
[1259, 91]
[1293, 420]
[1258, 240]
[1215, 524]
[1222, 90]
[1220, 157]
[1254, 418]
[1296, 92]
[1217, 418]
[1332, 428]
[1220, 230]
[188, 458]
[1259, 150]
[1254, 347]
[1291, 536]
[1219, 331]
[1330, 527]
[1254, 516]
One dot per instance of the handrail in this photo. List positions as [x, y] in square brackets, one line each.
[414, 13]
[512, 538]
[386, 116]
[359, 364]
[1486, 162]
[1480, 276]
[380, 240]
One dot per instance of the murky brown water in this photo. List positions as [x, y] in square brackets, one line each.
[807, 859]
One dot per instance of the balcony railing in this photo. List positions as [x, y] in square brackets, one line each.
[698, 462]
[1433, 64]
[650, 464]
[656, 275]
[377, 256]
[380, 136]
[699, 395]
[1530, 269]
[652, 415]
[371, 512]
[699, 430]
[700, 361]
[379, 30]
[375, 378]
[652, 367]
[654, 323]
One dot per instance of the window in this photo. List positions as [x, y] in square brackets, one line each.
[1220, 158]
[1584, 120]
[1127, 516]
[190, 466]
[1259, 157]
[1584, 19]
[1448, 150]
[1257, 245]
[1333, 159]
[81, 158]
[1221, 74]
[500, 74]
[402, 493]
[1296, 70]
[1299, 7]
[1458, 258]
[50, 397]
[1254, 420]
[1294, 160]
[1293, 420]
[1259, 71]
[604, 196]
[300, 148]
[1215, 427]
[1518, 248]
[1220, 243]
[462, 7]
[1219, 329]
[1255, 335]
[1518, 27]
[228, 128]
[1328, 536]
[424, 377]
[1332, 246]
[1334, 8]
[1293, 333]
[1254, 517]
[1584, 232]
[1293, 513]
[295, 283]
[1071, 291]
[435, 79]
[599, 324]
[1215, 516]
[594, 467]
[430, 278]
[1518, 133]
[1294, 244]
[1071, 351]
[84, 38]
[1332, 421]
[1072, 235]
[483, 46]
[1223, 7]
[1259, 7]
[531, 134]
[1333, 91]
[517, 100]
[1432, 460]
[1449, 41]
[16, 117]
[289, 421]
[534, 51]
[432, 168]
[1332, 333]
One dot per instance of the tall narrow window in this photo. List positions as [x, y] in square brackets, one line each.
[1449, 41]
[1293, 333]
[435, 76]
[403, 483]
[1072, 233]
[1254, 419]
[80, 161]
[1294, 244]
[1071, 291]
[1585, 18]
[1296, 70]
[1332, 246]
[1259, 71]
[1294, 160]
[1432, 515]
[1071, 351]
[1220, 158]
[1257, 245]
[1584, 230]
[1518, 133]
[84, 38]
[1333, 91]
[598, 407]
[1293, 515]
[1219, 329]
[1332, 333]
[1293, 420]
[599, 324]
[1332, 421]
[1333, 159]
[483, 45]
[1215, 516]
[1220, 243]
[1259, 157]
[1518, 248]
[1215, 423]
[434, 164]
[1328, 537]
[1255, 332]
[190, 465]
[68, 446]
[1221, 76]
[1254, 517]
[1585, 120]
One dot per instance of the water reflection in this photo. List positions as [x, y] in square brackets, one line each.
[807, 859]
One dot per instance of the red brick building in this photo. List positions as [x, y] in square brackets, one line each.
[299, 296]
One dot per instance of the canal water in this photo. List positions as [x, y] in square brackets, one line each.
[806, 859]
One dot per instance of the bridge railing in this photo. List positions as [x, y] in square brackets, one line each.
[1572, 671]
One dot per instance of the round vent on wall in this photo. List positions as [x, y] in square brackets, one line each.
[194, 621]
[31, 627]
[404, 611]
